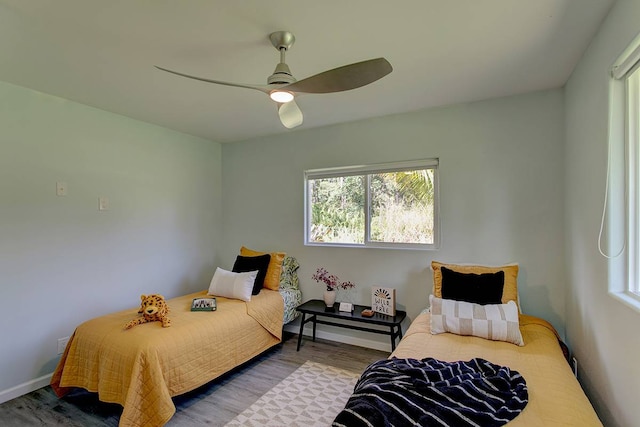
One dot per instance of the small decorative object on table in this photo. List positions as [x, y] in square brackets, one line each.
[204, 304]
[332, 283]
[346, 307]
[383, 300]
[329, 298]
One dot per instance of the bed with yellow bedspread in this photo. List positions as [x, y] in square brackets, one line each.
[142, 368]
[555, 396]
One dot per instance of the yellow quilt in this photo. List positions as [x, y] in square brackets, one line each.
[555, 396]
[142, 368]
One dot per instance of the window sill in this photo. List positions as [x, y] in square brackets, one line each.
[406, 246]
[627, 299]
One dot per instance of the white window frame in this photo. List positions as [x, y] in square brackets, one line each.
[632, 91]
[623, 178]
[366, 171]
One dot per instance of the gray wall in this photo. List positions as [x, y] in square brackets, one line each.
[61, 260]
[501, 172]
[602, 331]
[521, 180]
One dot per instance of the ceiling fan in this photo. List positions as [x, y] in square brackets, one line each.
[282, 87]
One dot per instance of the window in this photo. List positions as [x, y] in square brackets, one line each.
[623, 207]
[633, 180]
[392, 205]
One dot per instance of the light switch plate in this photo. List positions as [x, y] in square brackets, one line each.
[103, 203]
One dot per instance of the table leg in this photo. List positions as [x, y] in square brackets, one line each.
[393, 338]
[300, 333]
[395, 334]
[314, 327]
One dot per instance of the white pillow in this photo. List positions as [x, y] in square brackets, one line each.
[498, 322]
[232, 285]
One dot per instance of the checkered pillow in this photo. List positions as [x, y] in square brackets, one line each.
[497, 322]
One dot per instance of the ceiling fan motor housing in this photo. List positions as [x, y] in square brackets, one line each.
[281, 75]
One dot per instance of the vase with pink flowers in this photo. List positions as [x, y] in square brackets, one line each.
[332, 283]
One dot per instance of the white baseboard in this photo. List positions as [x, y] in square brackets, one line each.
[360, 342]
[24, 388]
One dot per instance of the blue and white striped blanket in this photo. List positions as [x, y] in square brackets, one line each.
[428, 392]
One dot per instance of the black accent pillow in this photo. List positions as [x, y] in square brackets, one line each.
[253, 263]
[485, 288]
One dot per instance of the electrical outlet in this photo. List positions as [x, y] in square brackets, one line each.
[62, 344]
[61, 188]
[574, 366]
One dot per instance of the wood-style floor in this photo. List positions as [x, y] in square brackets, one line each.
[214, 404]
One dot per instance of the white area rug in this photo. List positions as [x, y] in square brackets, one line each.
[311, 396]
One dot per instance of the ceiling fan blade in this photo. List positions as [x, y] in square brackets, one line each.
[343, 78]
[262, 88]
[290, 114]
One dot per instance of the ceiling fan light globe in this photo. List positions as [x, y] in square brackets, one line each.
[281, 96]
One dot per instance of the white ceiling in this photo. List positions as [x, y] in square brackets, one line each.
[101, 53]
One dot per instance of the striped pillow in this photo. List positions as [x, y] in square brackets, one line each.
[497, 322]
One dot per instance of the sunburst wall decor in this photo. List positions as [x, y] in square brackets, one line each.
[383, 300]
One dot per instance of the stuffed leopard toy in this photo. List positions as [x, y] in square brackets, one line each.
[153, 308]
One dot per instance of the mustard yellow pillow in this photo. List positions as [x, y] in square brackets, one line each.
[272, 279]
[509, 292]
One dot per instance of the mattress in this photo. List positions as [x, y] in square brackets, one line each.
[143, 367]
[555, 396]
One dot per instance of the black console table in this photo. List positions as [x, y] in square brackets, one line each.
[317, 310]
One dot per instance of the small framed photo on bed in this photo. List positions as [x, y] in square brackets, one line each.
[204, 304]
